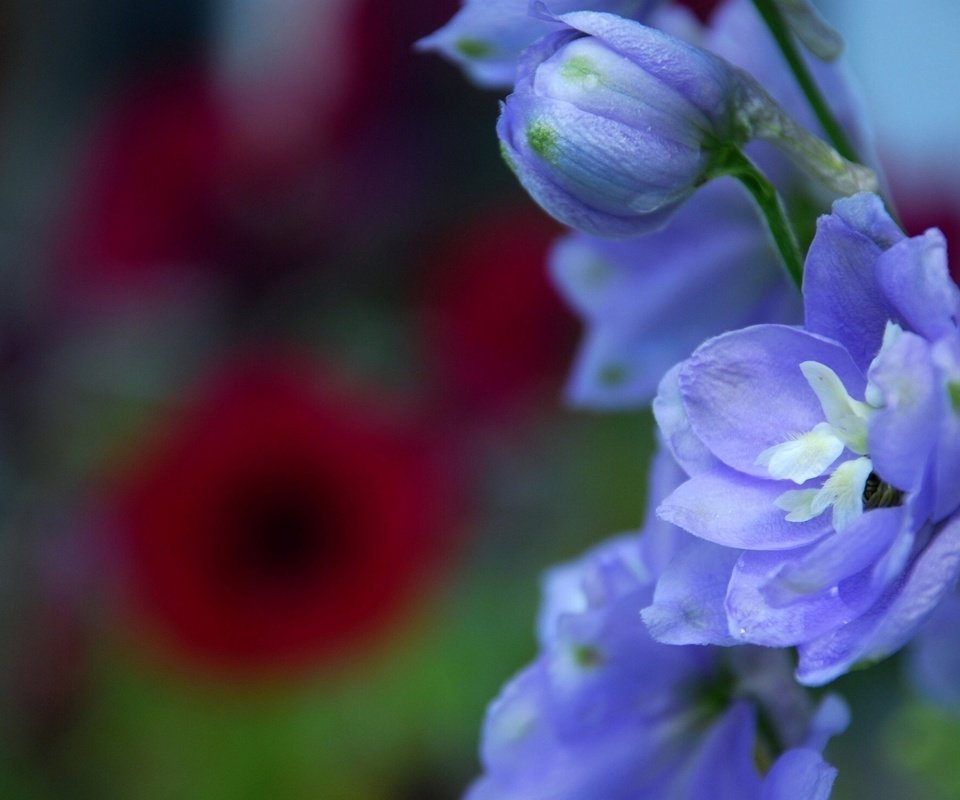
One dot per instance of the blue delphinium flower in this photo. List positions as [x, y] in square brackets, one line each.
[647, 302]
[606, 712]
[825, 457]
[486, 37]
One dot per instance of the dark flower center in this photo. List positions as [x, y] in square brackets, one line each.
[280, 533]
[877, 494]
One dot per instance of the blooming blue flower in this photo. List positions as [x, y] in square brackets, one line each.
[825, 457]
[606, 712]
[647, 302]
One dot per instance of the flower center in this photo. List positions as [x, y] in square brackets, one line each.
[852, 486]
[877, 494]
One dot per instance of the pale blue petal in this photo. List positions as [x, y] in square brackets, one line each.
[602, 178]
[754, 619]
[671, 414]
[745, 392]
[836, 557]
[688, 603]
[704, 80]
[486, 37]
[648, 302]
[903, 433]
[914, 276]
[893, 620]
[724, 768]
[735, 510]
[799, 774]
[946, 356]
[842, 298]
[933, 659]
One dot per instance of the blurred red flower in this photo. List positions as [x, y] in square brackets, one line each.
[497, 331]
[278, 523]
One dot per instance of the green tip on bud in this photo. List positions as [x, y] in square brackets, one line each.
[582, 70]
[472, 48]
[542, 140]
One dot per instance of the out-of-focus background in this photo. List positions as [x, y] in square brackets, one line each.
[282, 442]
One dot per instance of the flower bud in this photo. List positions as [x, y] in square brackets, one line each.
[610, 132]
[613, 124]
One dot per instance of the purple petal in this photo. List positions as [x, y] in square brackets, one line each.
[842, 298]
[799, 774]
[836, 557]
[486, 37]
[605, 280]
[724, 767]
[946, 356]
[934, 656]
[703, 79]
[831, 718]
[515, 730]
[660, 541]
[745, 392]
[616, 368]
[735, 510]
[903, 433]
[914, 276]
[598, 182]
[622, 90]
[688, 603]
[671, 415]
[754, 619]
[893, 620]
[650, 301]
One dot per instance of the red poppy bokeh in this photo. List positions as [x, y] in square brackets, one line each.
[497, 331]
[279, 521]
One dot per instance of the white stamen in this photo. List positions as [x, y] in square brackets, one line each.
[847, 416]
[798, 503]
[844, 491]
[803, 457]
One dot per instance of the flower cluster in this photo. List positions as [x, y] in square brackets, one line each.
[606, 711]
[827, 454]
[814, 464]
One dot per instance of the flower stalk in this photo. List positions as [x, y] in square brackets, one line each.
[737, 165]
[778, 26]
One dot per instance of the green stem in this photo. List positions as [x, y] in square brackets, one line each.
[768, 199]
[784, 38]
